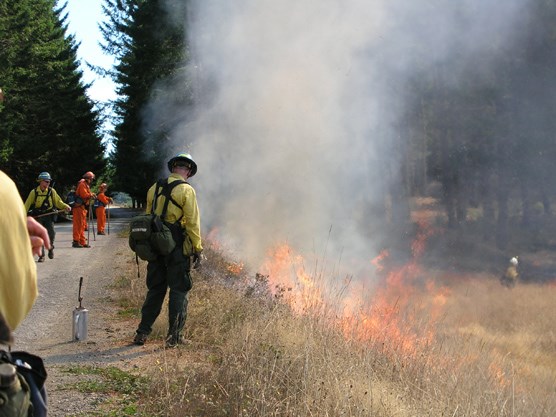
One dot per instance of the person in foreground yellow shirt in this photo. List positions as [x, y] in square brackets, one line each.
[20, 237]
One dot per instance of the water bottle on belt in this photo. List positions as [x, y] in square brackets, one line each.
[15, 398]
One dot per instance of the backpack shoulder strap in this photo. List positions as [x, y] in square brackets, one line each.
[45, 201]
[157, 190]
[167, 193]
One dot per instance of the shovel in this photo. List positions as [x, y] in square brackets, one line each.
[80, 318]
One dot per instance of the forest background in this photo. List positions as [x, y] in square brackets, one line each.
[470, 124]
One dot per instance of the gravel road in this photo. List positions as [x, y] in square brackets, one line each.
[47, 330]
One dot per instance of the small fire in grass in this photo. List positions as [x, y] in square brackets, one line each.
[288, 279]
[377, 262]
[235, 268]
[399, 309]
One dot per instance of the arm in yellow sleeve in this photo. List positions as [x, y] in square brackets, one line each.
[192, 219]
[58, 202]
[30, 200]
[18, 273]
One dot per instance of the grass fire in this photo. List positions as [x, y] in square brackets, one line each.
[295, 338]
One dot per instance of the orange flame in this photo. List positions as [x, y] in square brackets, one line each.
[235, 268]
[390, 314]
[377, 262]
[287, 273]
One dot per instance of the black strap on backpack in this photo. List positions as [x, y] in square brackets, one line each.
[44, 205]
[166, 191]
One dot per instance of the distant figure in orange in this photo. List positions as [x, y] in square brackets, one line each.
[83, 197]
[510, 277]
[100, 207]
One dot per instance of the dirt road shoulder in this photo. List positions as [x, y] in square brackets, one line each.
[47, 330]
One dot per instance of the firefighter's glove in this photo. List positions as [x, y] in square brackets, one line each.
[197, 259]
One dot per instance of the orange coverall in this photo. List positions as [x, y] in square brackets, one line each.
[101, 211]
[80, 212]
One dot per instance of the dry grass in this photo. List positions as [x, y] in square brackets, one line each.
[482, 351]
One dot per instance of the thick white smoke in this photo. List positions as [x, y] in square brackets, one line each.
[299, 103]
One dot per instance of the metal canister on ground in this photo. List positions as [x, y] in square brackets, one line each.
[80, 318]
[80, 321]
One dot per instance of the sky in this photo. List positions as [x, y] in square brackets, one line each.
[83, 19]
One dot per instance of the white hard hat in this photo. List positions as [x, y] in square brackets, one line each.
[514, 261]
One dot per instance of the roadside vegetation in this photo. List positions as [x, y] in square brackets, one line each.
[121, 390]
[449, 344]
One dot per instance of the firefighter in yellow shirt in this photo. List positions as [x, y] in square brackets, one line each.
[41, 203]
[510, 277]
[173, 271]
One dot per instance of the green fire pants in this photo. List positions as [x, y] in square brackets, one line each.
[167, 272]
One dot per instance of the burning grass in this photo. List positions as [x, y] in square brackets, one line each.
[421, 343]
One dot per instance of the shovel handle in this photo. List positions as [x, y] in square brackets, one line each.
[79, 298]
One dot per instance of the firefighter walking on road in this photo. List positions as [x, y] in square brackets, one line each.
[83, 198]
[101, 202]
[42, 203]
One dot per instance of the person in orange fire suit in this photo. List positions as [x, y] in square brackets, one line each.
[101, 202]
[83, 196]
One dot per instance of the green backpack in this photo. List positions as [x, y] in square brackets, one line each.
[149, 235]
[15, 394]
[15, 400]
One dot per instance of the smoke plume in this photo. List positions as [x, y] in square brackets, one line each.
[299, 108]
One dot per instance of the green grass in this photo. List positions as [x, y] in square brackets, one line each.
[122, 388]
[110, 380]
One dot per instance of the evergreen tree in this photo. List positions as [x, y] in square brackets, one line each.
[151, 51]
[488, 134]
[47, 122]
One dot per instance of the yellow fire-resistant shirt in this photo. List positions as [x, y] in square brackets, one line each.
[36, 199]
[18, 272]
[188, 210]
[511, 273]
